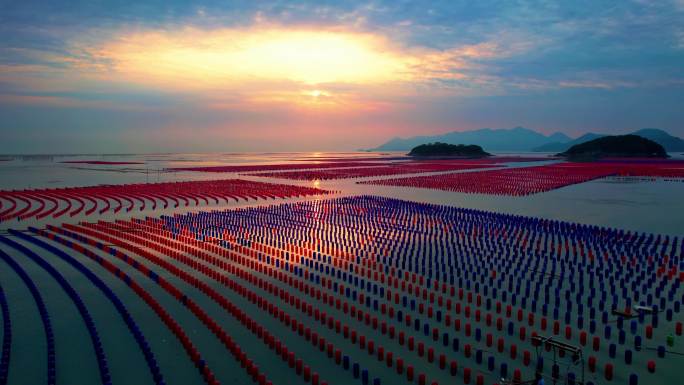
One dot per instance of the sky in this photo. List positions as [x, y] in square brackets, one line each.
[105, 76]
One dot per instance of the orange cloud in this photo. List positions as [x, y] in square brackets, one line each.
[195, 58]
[314, 70]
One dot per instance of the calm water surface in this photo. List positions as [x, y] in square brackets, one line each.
[654, 206]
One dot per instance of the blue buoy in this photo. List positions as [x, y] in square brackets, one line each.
[633, 379]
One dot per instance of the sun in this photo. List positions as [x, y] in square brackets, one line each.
[316, 93]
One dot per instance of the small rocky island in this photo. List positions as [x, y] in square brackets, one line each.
[439, 149]
[617, 146]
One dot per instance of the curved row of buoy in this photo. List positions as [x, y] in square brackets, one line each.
[275, 167]
[357, 162]
[6, 353]
[386, 311]
[667, 276]
[131, 324]
[42, 203]
[243, 273]
[566, 331]
[518, 181]
[190, 348]
[365, 172]
[573, 249]
[431, 292]
[51, 374]
[523, 181]
[273, 342]
[128, 241]
[102, 364]
[423, 351]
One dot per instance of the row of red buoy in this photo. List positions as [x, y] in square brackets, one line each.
[289, 321]
[556, 328]
[384, 170]
[421, 348]
[205, 270]
[166, 318]
[175, 328]
[500, 342]
[275, 167]
[197, 225]
[532, 180]
[247, 321]
[517, 181]
[41, 203]
[254, 252]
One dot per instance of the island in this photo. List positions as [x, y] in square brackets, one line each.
[616, 146]
[448, 150]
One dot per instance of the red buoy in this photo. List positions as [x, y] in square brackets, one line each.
[608, 371]
[527, 357]
[592, 364]
[453, 368]
[517, 375]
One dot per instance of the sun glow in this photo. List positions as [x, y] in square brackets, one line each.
[229, 56]
[316, 93]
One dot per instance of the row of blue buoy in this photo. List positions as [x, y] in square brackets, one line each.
[197, 359]
[297, 271]
[111, 296]
[370, 289]
[417, 322]
[42, 311]
[555, 316]
[175, 223]
[105, 376]
[6, 338]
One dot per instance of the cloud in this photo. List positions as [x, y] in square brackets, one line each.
[193, 57]
[263, 64]
[378, 67]
[203, 58]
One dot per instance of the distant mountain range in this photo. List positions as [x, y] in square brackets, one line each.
[669, 142]
[522, 139]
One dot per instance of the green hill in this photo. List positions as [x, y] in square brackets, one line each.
[618, 146]
[445, 149]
